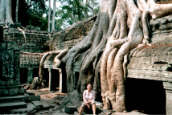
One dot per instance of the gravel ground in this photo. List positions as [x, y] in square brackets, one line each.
[52, 101]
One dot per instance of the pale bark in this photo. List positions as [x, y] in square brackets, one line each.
[121, 26]
[5, 12]
[53, 18]
[49, 17]
[59, 54]
[17, 10]
[115, 78]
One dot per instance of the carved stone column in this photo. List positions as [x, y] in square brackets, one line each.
[60, 80]
[50, 79]
[168, 88]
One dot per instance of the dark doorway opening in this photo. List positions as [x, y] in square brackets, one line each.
[55, 79]
[146, 96]
[64, 79]
[23, 75]
[46, 76]
[35, 72]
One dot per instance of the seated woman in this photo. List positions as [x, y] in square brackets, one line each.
[88, 100]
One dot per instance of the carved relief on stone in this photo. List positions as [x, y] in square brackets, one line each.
[9, 62]
[7, 68]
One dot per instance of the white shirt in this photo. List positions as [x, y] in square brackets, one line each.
[89, 96]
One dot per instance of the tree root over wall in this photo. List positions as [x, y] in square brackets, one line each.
[121, 26]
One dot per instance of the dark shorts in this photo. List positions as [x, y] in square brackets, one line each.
[83, 104]
[86, 109]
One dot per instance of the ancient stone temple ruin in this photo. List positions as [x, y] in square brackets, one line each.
[31, 44]
[148, 80]
[150, 71]
[11, 91]
[21, 53]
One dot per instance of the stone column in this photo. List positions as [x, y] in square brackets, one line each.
[168, 88]
[30, 75]
[17, 65]
[60, 80]
[50, 79]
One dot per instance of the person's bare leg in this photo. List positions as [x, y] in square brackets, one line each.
[80, 110]
[94, 108]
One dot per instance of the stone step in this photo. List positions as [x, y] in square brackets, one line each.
[37, 104]
[12, 105]
[20, 111]
[11, 90]
[10, 86]
[12, 98]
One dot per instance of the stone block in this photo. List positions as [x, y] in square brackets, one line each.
[12, 98]
[3, 92]
[10, 82]
[12, 105]
[21, 90]
[33, 98]
[59, 113]
[30, 107]
[37, 104]
[20, 111]
[2, 83]
[70, 109]
[169, 102]
[13, 91]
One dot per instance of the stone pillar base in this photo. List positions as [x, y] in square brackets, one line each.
[168, 88]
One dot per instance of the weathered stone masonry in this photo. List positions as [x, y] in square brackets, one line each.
[31, 44]
[152, 63]
[155, 62]
[11, 92]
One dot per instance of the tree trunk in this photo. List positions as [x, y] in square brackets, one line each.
[121, 26]
[53, 18]
[49, 17]
[5, 11]
[17, 9]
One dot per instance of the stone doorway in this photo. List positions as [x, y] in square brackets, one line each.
[55, 79]
[146, 96]
[23, 75]
[35, 72]
[46, 76]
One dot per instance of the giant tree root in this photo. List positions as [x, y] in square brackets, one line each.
[59, 55]
[112, 82]
[121, 26]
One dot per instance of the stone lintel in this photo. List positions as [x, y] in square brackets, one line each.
[168, 86]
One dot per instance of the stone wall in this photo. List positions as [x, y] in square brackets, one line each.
[9, 69]
[72, 35]
[31, 44]
[28, 59]
[27, 40]
[155, 62]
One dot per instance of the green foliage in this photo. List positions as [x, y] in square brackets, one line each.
[68, 12]
[72, 11]
[31, 13]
